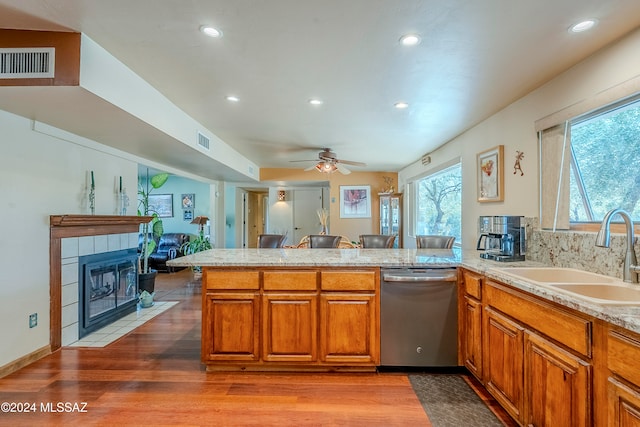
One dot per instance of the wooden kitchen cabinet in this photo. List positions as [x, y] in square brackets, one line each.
[230, 327]
[557, 384]
[349, 317]
[471, 323]
[537, 358]
[623, 385]
[504, 347]
[291, 318]
[289, 325]
[348, 332]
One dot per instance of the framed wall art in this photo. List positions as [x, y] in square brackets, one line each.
[355, 201]
[188, 201]
[490, 165]
[162, 204]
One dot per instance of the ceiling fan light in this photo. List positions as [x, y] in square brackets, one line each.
[326, 167]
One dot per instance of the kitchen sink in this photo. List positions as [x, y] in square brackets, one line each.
[544, 275]
[604, 293]
[592, 287]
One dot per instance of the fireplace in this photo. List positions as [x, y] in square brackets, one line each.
[108, 288]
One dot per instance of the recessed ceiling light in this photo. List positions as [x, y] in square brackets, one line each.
[232, 98]
[583, 26]
[400, 105]
[210, 31]
[315, 101]
[410, 39]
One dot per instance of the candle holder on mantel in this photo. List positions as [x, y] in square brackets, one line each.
[123, 201]
[92, 200]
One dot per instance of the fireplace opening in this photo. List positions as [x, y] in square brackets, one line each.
[108, 288]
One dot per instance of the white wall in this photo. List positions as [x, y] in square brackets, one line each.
[41, 175]
[513, 127]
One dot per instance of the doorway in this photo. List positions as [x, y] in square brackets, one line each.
[254, 206]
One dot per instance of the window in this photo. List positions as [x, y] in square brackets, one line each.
[605, 149]
[439, 203]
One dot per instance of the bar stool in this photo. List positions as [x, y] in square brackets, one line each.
[435, 242]
[379, 241]
[271, 240]
[323, 241]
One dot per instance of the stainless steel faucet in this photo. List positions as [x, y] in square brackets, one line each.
[631, 268]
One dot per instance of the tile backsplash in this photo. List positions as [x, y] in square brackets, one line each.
[576, 249]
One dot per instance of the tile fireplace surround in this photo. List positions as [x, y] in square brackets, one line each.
[72, 236]
[71, 249]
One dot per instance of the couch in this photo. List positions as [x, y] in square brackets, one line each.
[167, 247]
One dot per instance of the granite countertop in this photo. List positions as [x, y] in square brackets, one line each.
[627, 316]
[321, 257]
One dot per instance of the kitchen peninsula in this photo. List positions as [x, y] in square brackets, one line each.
[297, 309]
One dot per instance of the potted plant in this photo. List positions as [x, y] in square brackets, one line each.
[146, 275]
[197, 243]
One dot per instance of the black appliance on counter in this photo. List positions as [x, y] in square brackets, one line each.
[501, 238]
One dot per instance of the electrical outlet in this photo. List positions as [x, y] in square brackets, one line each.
[33, 320]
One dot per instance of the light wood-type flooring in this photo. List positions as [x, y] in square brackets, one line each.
[153, 376]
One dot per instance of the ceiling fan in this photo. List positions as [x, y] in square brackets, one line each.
[328, 162]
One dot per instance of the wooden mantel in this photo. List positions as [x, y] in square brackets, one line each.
[93, 225]
[64, 226]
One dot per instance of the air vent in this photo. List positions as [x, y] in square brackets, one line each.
[426, 159]
[203, 141]
[27, 63]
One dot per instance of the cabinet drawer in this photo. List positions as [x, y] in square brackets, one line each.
[472, 284]
[286, 280]
[349, 280]
[224, 279]
[623, 354]
[572, 331]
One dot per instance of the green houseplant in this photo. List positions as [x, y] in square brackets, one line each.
[146, 275]
[197, 243]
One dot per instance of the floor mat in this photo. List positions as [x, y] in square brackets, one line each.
[450, 402]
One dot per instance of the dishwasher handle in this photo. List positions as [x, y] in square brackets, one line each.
[441, 277]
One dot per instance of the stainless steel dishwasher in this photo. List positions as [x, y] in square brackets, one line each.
[418, 317]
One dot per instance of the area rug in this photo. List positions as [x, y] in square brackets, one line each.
[450, 402]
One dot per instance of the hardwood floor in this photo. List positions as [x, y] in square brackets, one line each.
[153, 376]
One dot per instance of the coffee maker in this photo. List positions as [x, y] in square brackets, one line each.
[501, 238]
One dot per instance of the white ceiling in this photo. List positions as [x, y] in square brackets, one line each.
[475, 58]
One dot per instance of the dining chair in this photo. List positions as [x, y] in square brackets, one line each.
[324, 241]
[271, 240]
[435, 242]
[379, 241]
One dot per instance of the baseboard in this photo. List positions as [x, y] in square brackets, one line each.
[28, 359]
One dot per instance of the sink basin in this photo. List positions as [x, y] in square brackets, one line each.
[544, 275]
[604, 293]
[593, 287]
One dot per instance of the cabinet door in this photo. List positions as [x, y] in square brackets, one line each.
[289, 325]
[624, 405]
[230, 327]
[503, 351]
[348, 329]
[557, 384]
[472, 336]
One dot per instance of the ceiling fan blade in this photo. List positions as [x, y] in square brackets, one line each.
[342, 169]
[349, 162]
[310, 168]
[307, 160]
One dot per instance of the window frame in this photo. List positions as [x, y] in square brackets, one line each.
[412, 192]
[601, 111]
